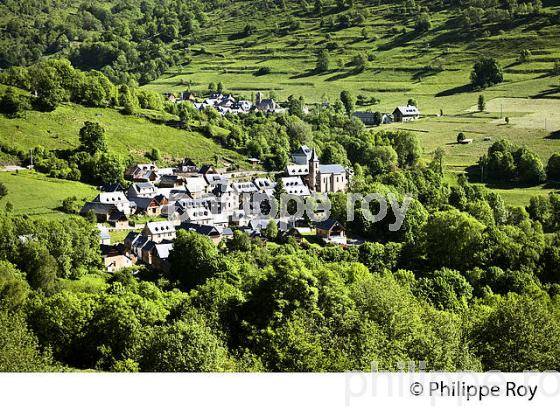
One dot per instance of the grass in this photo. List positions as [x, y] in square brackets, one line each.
[126, 135]
[37, 195]
[433, 68]
[118, 236]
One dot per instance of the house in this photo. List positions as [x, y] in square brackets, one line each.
[368, 118]
[405, 114]
[302, 156]
[241, 188]
[171, 181]
[195, 186]
[106, 202]
[265, 185]
[227, 233]
[187, 166]
[331, 231]
[101, 211]
[214, 180]
[207, 169]
[159, 231]
[105, 238]
[297, 170]
[188, 96]
[206, 230]
[114, 259]
[386, 119]
[146, 252]
[148, 206]
[118, 220]
[160, 256]
[142, 190]
[254, 161]
[295, 186]
[197, 215]
[142, 173]
[227, 199]
[292, 233]
[170, 97]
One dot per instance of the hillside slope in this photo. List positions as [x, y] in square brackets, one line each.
[432, 66]
[128, 136]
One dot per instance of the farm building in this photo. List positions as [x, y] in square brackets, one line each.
[405, 114]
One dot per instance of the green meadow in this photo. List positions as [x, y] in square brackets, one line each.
[433, 68]
[36, 195]
[129, 136]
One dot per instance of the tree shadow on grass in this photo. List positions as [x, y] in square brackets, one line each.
[554, 135]
[345, 74]
[548, 93]
[456, 90]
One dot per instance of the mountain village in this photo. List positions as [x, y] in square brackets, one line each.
[209, 202]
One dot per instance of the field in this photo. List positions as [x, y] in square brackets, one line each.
[128, 136]
[35, 194]
[433, 68]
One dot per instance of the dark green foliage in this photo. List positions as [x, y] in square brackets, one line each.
[19, 350]
[520, 334]
[323, 61]
[486, 72]
[347, 101]
[553, 167]
[193, 260]
[506, 161]
[92, 138]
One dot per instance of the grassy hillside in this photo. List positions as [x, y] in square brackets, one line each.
[126, 135]
[433, 67]
[35, 194]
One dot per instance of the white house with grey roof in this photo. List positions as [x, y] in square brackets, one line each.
[295, 186]
[406, 113]
[159, 231]
[142, 190]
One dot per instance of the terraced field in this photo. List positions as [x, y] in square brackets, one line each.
[433, 68]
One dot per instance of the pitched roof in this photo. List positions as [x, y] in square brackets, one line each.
[408, 110]
[304, 150]
[111, 187]
[163, 249]
[332, 169]
[160, 227]
[145, 203]
[117, 216]
[207, 169]
[205, 230]
[328, 224]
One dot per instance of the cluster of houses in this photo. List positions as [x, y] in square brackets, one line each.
[400, 114]
[203, 200]
[227, 103]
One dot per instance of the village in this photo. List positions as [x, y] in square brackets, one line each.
[204, 200]
[228, 104]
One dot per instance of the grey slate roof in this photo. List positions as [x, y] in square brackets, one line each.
[332, 169]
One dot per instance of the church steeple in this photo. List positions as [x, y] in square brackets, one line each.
[313, 170]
